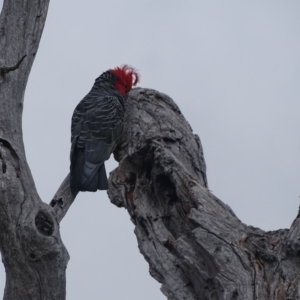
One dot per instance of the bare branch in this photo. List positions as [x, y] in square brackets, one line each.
[63, 199]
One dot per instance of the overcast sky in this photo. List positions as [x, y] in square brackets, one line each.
[233, 67]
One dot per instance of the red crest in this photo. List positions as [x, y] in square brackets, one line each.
[126, 78]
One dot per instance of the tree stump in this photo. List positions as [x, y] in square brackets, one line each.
[195, 245]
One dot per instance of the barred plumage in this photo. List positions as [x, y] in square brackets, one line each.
[97, 123]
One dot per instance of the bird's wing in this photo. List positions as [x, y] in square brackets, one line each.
[96, 124]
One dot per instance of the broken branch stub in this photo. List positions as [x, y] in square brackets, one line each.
[194, 243]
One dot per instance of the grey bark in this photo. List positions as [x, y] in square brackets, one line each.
[195, 245]
[33, 254]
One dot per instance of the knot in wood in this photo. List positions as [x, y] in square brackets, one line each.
[44, 223]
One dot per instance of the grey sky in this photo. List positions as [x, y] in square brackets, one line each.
[233, 67]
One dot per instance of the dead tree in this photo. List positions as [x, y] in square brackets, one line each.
[195, 245]
[33, 254]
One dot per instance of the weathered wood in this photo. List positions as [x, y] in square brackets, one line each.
[33, 254]
[194, 244]
[63, 199]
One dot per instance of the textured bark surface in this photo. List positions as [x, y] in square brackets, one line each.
[63, 199]
[194, 244]
[33, 254]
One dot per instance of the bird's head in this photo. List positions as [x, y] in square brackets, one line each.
[126, 77]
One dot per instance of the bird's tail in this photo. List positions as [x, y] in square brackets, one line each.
[87, 177]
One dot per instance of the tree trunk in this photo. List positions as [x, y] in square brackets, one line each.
[33, 254]
[194, 243]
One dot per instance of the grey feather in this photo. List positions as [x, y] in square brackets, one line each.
[97, 123]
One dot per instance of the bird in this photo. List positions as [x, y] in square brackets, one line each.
[97, 123]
